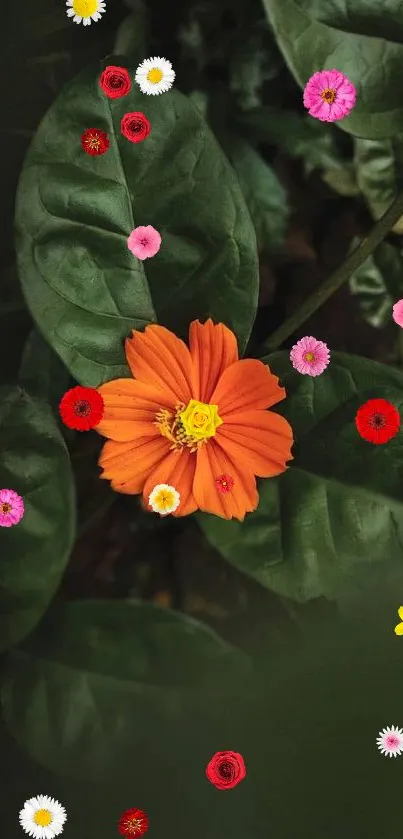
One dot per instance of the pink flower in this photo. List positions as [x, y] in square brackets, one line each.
[309, 356]
[329, 95]
[144, 242]
[11, 508]
[398, 313]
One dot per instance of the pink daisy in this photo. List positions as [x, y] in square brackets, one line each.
[398, 313]
[11, 508]
[310, 356]
[329, 95]
[390, 741]
[144, 242]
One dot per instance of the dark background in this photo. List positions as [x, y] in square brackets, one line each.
[324, 684]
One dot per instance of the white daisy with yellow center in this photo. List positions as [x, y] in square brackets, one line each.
[164, 499]
[42, 817]
[154, 76]
[84, 11]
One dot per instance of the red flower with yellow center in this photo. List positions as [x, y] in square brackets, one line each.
[94, 141]
[192, 415]
[133, 823]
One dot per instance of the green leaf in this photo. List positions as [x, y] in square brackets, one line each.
[264, 194]
[131, 35]
[35, 463]
[99, 680]
[378, 283]
[379, 174]
[294, 134]
[42, 373]
[74, 214]
[340, 505]
[355, 37]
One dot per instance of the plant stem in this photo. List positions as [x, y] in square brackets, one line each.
[339, 276]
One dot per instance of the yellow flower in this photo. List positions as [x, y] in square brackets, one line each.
[200, 419]
[399, 627]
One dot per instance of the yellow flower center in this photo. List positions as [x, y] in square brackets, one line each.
[154, 75]
[43, 818]
[191, 426]
[309, 356]
[85, 8]
[329, 95]
[6, 508]
[164, 499]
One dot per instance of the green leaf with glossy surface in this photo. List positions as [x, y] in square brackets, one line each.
[378, 283]
[340, 504]
[357, 38]
[75, 212]
[264, 194]
[100, 679]
[35, 463]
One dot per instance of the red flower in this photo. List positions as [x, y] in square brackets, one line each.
[377, 421]
[135, 127]
[226, 769]
[133, 822]
[115, 81]
[81, 408]
[94, 141]
[224, 483]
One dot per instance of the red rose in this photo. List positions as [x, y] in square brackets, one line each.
[115, 82]
[81, 408]
[226, 769]
[94, 141]
[135, 127]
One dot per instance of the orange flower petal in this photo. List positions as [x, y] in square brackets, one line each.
[213, 461]
[127, 465]
[247, 384]
[159, 357]
[125, 416]
[177, 470]
[213, 348]
[261, 440]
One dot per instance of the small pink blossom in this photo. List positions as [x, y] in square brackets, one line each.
[11, 508]
[329, 95]
[310, 356]
[398, 313]
[144, 242]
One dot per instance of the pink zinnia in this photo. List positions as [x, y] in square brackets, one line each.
[144, 242]
[11, 508]
[329, 95]
[398, 313]
[310, 356]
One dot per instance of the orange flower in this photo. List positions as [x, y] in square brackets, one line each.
[190, 417]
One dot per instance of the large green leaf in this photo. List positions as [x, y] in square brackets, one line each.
[42, 373]
[35, 463]
[378, 283]
[99, 681]
[264, 194]
[340, 504]
[75, 212]
[355, 37]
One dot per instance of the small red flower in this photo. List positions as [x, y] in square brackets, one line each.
[135, 127]
[226, 769]
[94, 141]
[81, 408]
[377, 421]
[133, 822]
[115, 82]
[224, 483]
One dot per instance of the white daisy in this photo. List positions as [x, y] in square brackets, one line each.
[42, 817]
[390, 741]
[84, 11]
[164, 499]
[154, 76]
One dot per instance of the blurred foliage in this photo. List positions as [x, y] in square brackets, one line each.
[129, 679]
